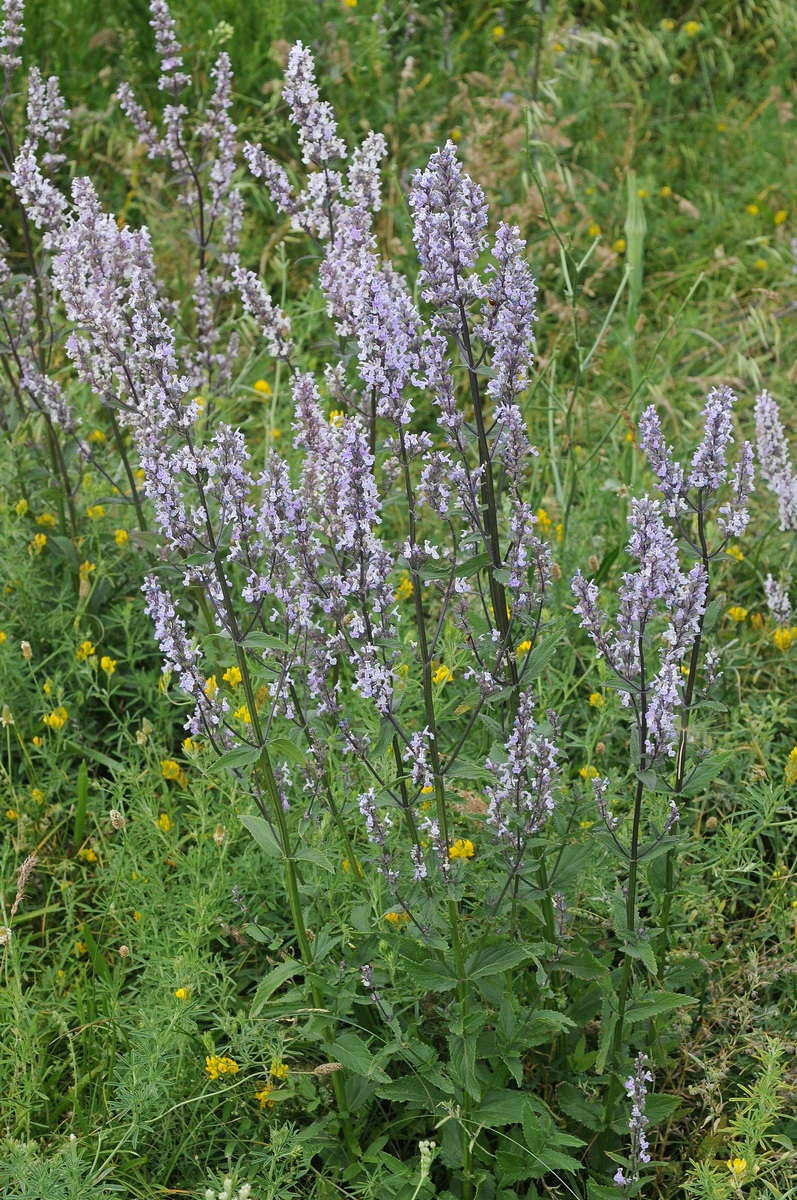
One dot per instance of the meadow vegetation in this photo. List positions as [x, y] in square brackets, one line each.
[348, 849]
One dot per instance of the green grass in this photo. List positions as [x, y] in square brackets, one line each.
[105, 1088]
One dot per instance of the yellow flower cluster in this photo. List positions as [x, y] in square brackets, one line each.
[163, 822]
[462, 848]
[38, 543]
[85, 650]
[791, 767]
[232, 676]
[737, 1167]
[442, 674]
[737, 613]
[121, 537]
[589, 772]
[95, 510]
[56, 719]
[173, 771]
[215, 1066]
[108, 664]
[597, 700]
[397, 918]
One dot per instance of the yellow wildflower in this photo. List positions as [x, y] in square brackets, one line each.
[191, 747]
[404, 589]
[594, 230]
[268, 1087]
[38, 742]
[586, 824]
[336, 417]
[456, 134]
[560, 531]
[2, 637]
[171, 770]
[442, 674]
[87, 854]
[85, 650]
[56, 719]
[462, 848]
[95, 510]
[262, 386]
[782, 638]
[498, 32]
[427, 791]
[38, 795]
[692, 28]
[136, 915]
[666, 192]
[589, 772]
[108, 664]
[38, 543]
[12, 814]
[85, 569]
[232, 676]
[21, 507]
[121, 537]
[397, 918]
[780, 216]
[350, 3]
[523, 648]
[590, 191]
[46, 518]
[596, 700]
[757, 621]
[279, 1069]
[216, 1066]
[667, 24]
[737, 613]
[791, 767]
[81, 948]
[619, 246]
[544, 521]
[558, 47]
[345, 865]
[760, 264]
[182, 993]
[163, 822]
[735, 552]
[752, 209]
[243, 714]
[737, 1167]
[97, 436]
[211, 687]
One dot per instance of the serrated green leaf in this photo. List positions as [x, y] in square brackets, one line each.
[657, 1005]
[275, 979]
[311, 855]
[237, 758]
[492, 960]
[285, 748]
[262, 833]
[538, 659]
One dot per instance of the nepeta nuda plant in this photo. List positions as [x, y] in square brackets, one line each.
[347, 635]
[654, 648]
[199, 148]
[774, 459]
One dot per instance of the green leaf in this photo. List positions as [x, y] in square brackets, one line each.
[605, 1040]
[471, 566]
[239, 756]
[352, 1051]
[712, 614]
[407, 1091]
[656, 1005]
[704, 772]
[492, 960]
[264, 641]
[538, 658]
[263, 835]
[501, 1106]
[285, 748]
[465, 769]
[101, 967]
[311, 855]
[275, 979]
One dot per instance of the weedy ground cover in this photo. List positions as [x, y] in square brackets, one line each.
[396, 647]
